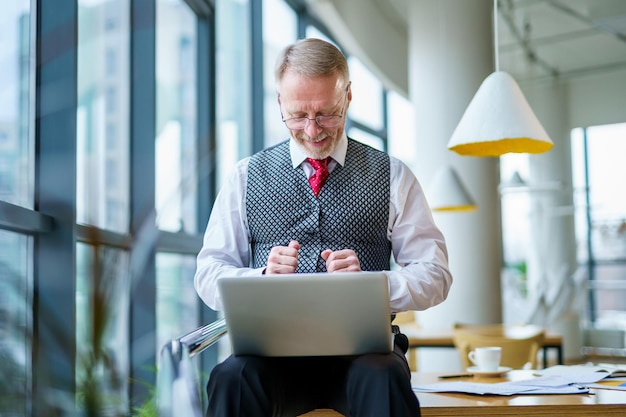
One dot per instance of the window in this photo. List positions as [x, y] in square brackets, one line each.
[600, 219]
[279, 30]
[15, 110]
[367, 96]
[103, 114]
[401, 129]
[15, 322]
[16, 186]
[234, 90]
[177, 301]
[102, 326]
[176, 141]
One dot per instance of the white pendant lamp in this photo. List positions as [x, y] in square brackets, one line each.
[446, 192]
[499, 120]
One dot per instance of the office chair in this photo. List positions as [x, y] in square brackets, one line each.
[177, 388]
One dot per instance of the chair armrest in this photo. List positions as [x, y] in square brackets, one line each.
[196, 341]
[177, 392]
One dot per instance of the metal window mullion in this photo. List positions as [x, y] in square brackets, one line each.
[380, 133]
[591, 269]
[385, 116]
[207, 120]
[54, 269]
[207, 183]
[142, 190]
[22, 220]
[258, 102]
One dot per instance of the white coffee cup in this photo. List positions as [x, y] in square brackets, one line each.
[486, 359]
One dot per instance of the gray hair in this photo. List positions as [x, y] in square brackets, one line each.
[312, 57]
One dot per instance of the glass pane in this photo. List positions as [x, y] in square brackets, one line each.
[609, 296]
[401, 129]
[177, 304]
[15, 323]
[279, 30]
[16, 162]
[606, 148]
[579, 182]
[365, 137]
[367, 96]
[102, 183]
[313, 32]
[102, 328]
[515, 201]
[233, 109]
[176, 141]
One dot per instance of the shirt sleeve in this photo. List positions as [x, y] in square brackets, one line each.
[422, 278]
[225, 249]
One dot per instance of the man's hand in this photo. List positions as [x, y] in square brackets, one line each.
[341, 261]
[283, 259]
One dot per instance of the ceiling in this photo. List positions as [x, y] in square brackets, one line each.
[543, 39]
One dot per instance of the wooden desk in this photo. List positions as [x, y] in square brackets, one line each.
[600, 403]
[442, 338]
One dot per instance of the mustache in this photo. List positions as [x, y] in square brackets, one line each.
[318, 138]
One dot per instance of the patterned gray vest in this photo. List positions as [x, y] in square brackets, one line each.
[351, 212]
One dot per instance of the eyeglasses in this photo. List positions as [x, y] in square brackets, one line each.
[301, 123]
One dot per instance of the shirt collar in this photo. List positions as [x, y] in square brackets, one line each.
[338, 154]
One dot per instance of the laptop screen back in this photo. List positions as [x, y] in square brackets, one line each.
[307, 314]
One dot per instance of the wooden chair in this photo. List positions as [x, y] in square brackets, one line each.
[520, 344]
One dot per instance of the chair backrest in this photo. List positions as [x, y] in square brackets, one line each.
[520, 343]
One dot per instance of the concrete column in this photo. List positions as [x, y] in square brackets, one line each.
[554, 293]
[450, 54]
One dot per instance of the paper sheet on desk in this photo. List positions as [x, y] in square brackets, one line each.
[534, 386]
[613, 383]
[607, 370]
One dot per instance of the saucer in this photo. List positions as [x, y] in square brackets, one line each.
[500, 371]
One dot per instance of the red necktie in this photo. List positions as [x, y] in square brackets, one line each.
[318, 179]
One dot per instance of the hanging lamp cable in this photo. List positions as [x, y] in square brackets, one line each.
[495, 34]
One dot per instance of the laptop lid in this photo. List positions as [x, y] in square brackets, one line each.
[317, 314]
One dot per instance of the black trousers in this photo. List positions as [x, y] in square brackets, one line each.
[376, 385]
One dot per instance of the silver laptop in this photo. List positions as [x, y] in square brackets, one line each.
[307, 314]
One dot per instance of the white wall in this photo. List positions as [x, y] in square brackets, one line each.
[371, 35]
[597, 100]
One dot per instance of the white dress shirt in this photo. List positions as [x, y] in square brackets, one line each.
[421, 280]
